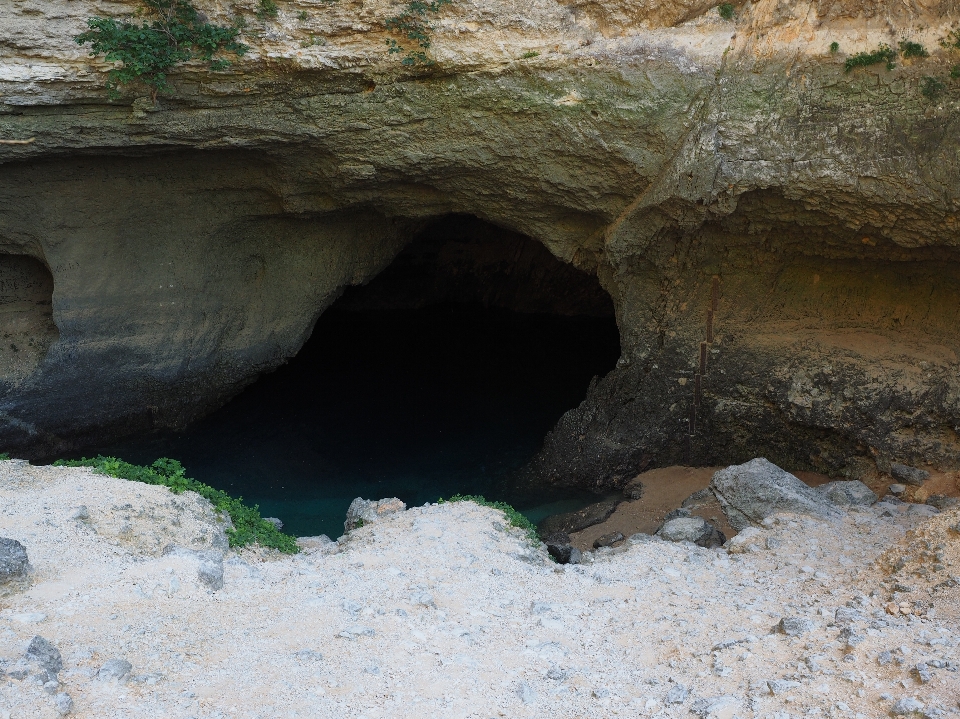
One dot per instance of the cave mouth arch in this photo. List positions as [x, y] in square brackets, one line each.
[27, 329]
[441, 375]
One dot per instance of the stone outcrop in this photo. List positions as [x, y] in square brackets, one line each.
[155, 258]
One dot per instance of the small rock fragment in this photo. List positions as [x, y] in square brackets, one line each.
[210, 573]
[781, 686]
[922, 672]
[906, 707]
[608, 540]
[275, 521]
[63, 704]
[633, 490]
[526, 693]
[795, 626]
[45, 654]
[81, 513]
[897, 489]
[14, 563]
[850, 493]
[677, 695]
[115, 669]
[910, 475]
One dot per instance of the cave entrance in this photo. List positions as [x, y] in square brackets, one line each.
[442, 375]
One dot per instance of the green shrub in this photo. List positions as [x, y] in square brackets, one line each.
[931, 88]
[513, 516]
[267, 9]
[725, 10]
[413, 25]
[834, 47]
[912, 49]
[529, 54]
[4, 456]
[955, 72]
[248, 525]
[883, 53]
[176, 34]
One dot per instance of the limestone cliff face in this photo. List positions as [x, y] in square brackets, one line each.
[169, 252]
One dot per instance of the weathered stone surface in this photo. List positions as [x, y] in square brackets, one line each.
[367, 511]
[910, 475]
[750, 492]
[692, 529]
[848, 493]
[193, 242]
[572, 522]
[14, 564]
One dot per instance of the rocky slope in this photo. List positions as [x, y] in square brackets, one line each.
[693, 164]
[445, 611]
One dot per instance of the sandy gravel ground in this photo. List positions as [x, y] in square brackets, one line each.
[444, 611]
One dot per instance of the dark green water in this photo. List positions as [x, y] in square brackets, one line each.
[417, 404]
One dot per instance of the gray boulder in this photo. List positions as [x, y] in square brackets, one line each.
[692, 529]
[753, 491]
[366, 511]
[42, 652]
[848, 494]
[608, 540]
[909, 475]
[14, 563]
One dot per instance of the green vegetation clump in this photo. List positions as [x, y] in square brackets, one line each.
[4, 456]
[176, 33]
[834, 47]
[414, 26]
[912, 49]
[248, 525]
[883, 53]
[267, 9]
[726, 10]
[931, 88]
[955, 72]
[529, 54]
[513, 516]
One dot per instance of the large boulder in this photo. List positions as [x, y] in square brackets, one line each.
[753, 491]
[368, 511]
[848, 493]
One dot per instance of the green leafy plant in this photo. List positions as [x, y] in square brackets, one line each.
[883, 53]
[912, 49]
[175, 33]
[834, 47]
[266, 9]
[514, 517]
[4, 456]
[248, 526]
[955, 72]
[414, 26]
[529, 54]
[302, 16]
[726, 10]
[931, 88]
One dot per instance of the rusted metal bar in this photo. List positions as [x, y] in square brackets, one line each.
[696, 390]
[715, 294]
[710, 327]
[703, 358]
[693, 420]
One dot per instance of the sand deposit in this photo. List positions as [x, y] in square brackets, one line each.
[445, 611]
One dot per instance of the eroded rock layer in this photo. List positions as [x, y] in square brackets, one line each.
[692, 164]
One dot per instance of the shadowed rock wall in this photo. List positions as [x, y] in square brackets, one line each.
[192, 243]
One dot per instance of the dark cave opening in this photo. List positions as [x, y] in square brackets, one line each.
[442, 375]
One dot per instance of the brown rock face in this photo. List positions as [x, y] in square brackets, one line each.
[779, 237]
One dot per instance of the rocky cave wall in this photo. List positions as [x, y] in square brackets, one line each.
[193, 242]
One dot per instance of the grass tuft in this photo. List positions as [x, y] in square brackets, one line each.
[726, 10]
[834, 48]
[912, 49]
[513, 516]
[248, 526]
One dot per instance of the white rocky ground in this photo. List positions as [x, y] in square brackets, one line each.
[444, 611]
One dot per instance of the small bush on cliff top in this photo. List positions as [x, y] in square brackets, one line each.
[883, 53]
[176, 33]
[248, 525]
[413, 25]
[725, 10]
[912, 49]
[513, 516]
[931, 88]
